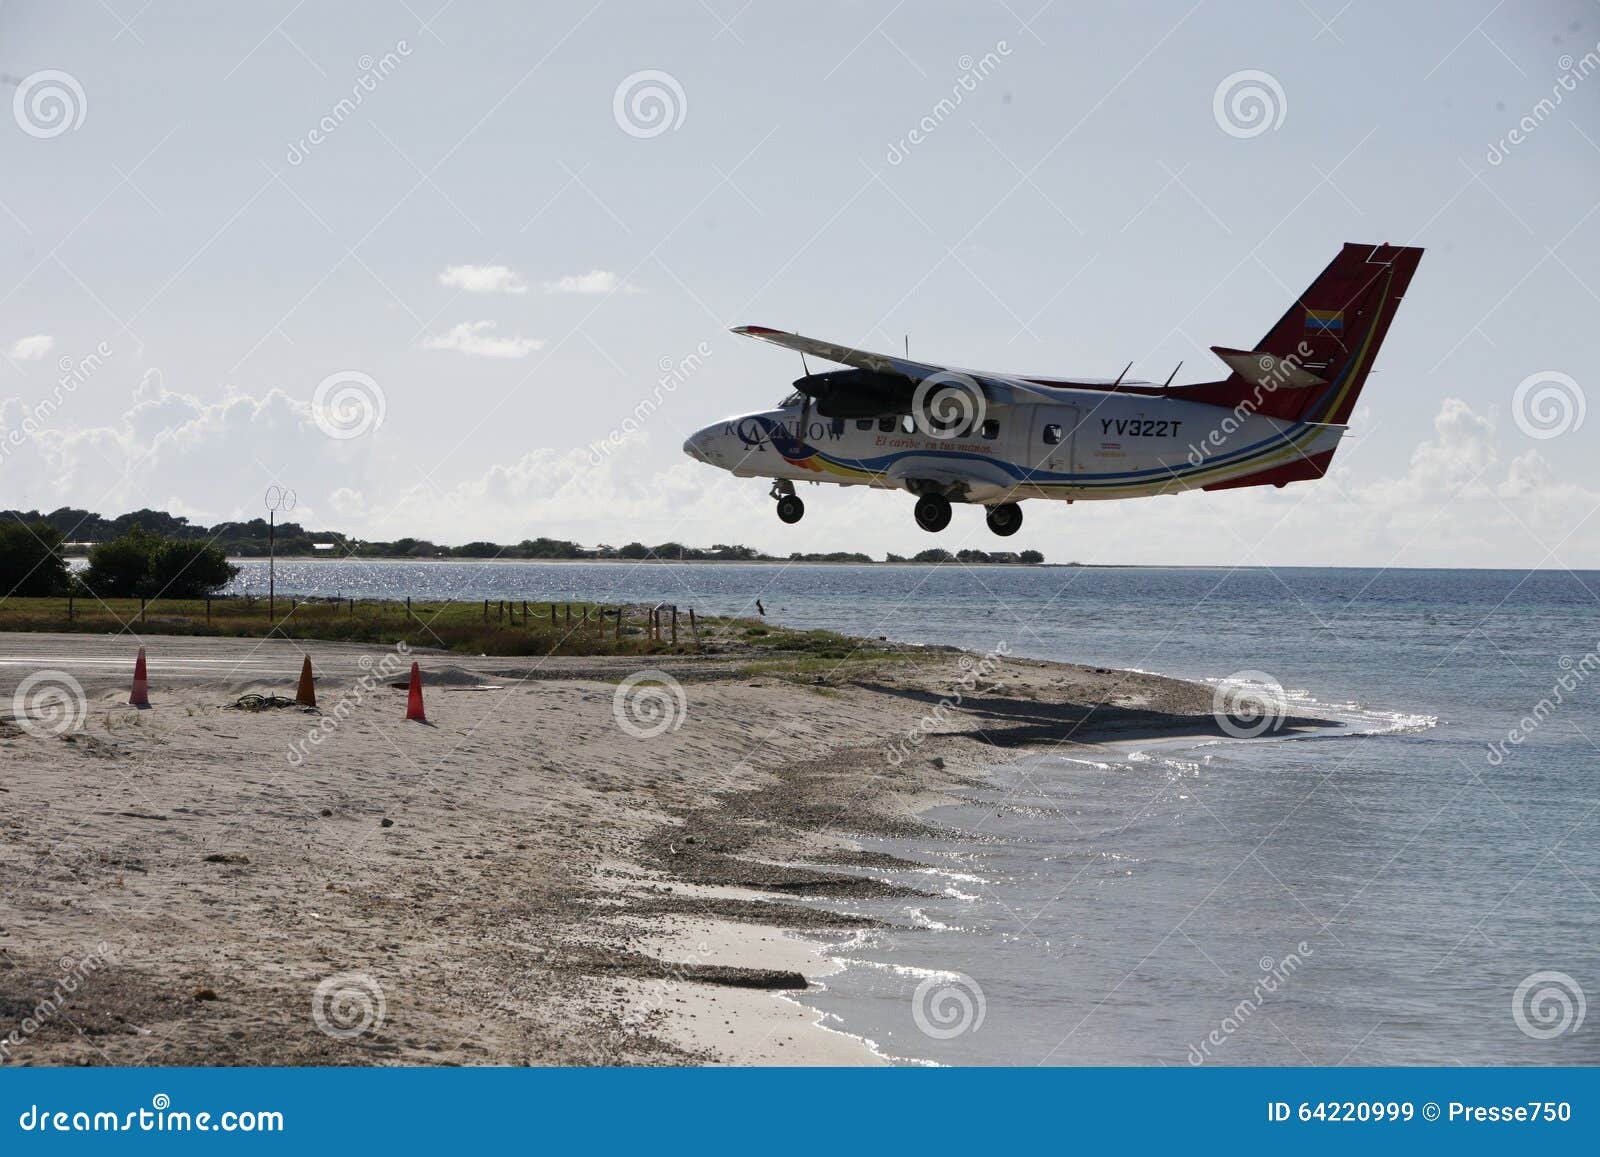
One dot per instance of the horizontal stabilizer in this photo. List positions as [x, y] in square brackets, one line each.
[1268, 370]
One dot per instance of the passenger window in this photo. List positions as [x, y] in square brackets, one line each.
[990, 430]
[908, 424]
[1052, 435]
[863, 423]
[886, 425]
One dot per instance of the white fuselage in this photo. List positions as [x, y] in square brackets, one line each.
[1091, 445]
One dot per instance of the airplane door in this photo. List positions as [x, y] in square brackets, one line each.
[1051, 439]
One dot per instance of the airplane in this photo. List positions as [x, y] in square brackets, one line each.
[949, 435]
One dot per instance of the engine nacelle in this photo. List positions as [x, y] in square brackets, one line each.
[857, 393]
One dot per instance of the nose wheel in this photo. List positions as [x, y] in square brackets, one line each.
[933, 512]
[790, 509]
[1005, 519]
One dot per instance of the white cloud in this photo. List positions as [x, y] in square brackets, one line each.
[1469, 495]
[484, 279]
[478, 339]
[33, 347]
[594, 282]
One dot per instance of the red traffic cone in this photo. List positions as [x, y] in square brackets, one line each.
[141, 683]
[414, 698]
[306, 693]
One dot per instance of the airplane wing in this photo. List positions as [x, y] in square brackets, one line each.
[999, 389]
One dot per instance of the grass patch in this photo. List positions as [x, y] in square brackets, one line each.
[495, 628]
[510, 628]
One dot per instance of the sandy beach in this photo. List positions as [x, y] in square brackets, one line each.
[571, 862]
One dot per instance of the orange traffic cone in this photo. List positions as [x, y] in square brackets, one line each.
[414, 698]
[306, 693]
[141, 683]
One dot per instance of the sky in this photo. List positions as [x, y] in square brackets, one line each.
[422, 262]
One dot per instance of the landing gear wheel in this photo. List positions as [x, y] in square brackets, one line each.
[790, 509]
[1005, 519]
[933, 512]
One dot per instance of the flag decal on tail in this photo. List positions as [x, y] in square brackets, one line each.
[1324, 319]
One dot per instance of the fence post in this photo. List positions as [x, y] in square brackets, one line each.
[674, 624]
[552, 616]
[141, 608]
[693, 629]
[208, 612]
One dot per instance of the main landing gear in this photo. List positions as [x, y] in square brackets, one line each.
[790, 509]
[1005, 519]
[933, 515]
[933, 512]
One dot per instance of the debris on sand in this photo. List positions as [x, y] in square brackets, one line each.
[255, 702]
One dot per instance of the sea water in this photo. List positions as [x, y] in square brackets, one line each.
[1418, 885]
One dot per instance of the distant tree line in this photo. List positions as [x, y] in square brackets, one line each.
[74, 531]
[137, 564]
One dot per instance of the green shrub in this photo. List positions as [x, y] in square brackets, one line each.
[30, 560]
[145, 565]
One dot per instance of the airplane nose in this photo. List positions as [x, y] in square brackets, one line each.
[691, 447]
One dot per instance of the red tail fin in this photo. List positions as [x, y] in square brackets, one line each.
[1335, 328]
[1310, 367]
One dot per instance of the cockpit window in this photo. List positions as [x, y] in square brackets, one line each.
[791, 400]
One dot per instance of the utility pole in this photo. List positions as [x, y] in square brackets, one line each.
[278, 498]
